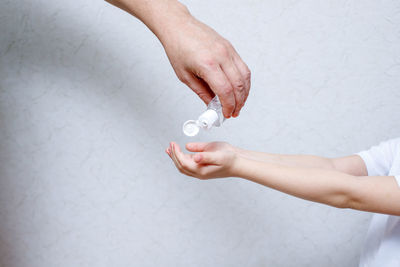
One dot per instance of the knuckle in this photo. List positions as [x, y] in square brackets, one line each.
[239, 85]
[226, 91]
[208, 63]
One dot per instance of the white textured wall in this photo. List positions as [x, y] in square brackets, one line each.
[88, 102]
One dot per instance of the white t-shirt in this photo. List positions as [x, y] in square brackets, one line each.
[382, 248]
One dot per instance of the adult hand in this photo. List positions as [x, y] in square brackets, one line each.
[201, 58]
[208, 64]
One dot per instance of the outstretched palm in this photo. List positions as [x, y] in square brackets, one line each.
[211, 160]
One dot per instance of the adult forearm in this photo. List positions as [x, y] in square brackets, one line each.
[319, 185]
[160, 16]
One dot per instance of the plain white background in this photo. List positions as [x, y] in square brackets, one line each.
[89, 102]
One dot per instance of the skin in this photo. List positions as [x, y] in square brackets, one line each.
[339, 182]
[200, 57]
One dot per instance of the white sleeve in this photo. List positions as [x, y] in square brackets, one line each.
[397, 177]
[379, 159]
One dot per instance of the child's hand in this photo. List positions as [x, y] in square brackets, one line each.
[212, 160]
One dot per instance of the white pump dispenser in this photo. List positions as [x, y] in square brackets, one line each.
[212, 117]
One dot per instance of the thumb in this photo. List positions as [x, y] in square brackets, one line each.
[196, 147]
[210, 158]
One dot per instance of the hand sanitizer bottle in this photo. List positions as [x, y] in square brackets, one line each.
[212, 117]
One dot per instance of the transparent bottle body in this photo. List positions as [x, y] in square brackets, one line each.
[212, 117]
[215, 105]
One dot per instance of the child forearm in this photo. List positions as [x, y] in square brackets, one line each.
[320, 185]
[348, 188]
[352, 164]
[378, 194]
[307, 161]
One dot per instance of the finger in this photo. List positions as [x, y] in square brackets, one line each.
[208, 158]
[196, 147]
[173, 156]
[220, 85]
[246, 74]
[168, 152]
[179, 166]
[177, 163]
[185, 164]
[183, 161]
[200, 88]
[181, 170]
[244, 70]
[237, 82]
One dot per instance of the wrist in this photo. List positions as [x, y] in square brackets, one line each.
[238, 168]
[244, 153]
[167, 19]
[162, 17]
